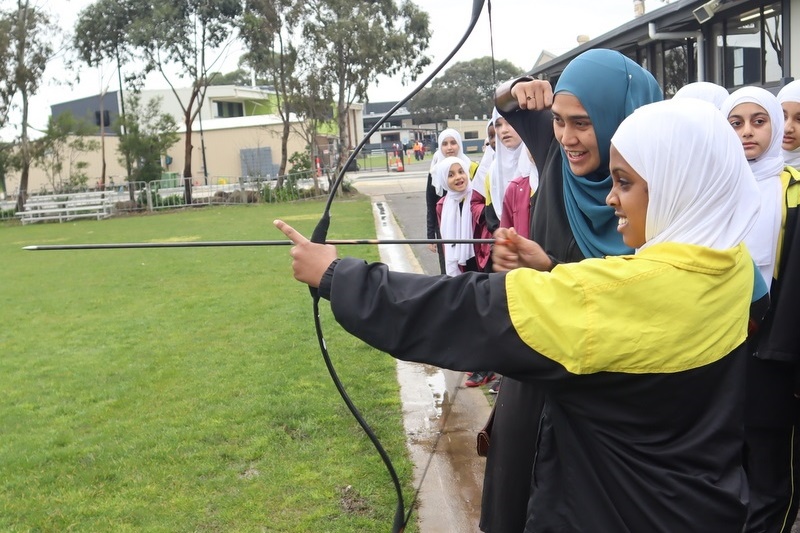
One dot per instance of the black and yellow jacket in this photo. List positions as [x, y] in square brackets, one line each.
[779, 335]
[641, 356]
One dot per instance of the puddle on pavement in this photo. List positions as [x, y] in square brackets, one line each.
[442, 418]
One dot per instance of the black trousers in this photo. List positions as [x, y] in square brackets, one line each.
[771, 447]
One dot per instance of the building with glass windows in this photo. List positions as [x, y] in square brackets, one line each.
[729, 42]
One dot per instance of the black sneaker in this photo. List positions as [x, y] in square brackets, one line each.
[494, 388]
[479, 378]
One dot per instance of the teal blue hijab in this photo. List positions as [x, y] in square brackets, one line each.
[609, 86]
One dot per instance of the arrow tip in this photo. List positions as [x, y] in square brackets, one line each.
[31, 248]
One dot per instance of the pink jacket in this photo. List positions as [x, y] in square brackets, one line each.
[517, 206]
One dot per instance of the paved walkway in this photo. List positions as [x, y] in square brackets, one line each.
[438, 410]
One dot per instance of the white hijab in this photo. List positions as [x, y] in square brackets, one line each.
[479, 180]
[438, 156]
[763, 239]
[456, 220]
[527, 169]
[704, 90]
[504, 169]
[700, 186]
[791, 93]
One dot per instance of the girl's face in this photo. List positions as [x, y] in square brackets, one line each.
[492, 136]
[449, 147]
[791, 125]
[574, 130]
[508, 136]
[751, 123]
[629, 198]
[457, 179]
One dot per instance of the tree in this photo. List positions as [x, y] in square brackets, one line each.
[150, 133]
[7, 86]
[465, 89]
[236, 77]
[313, 104]
[351, 42]
[31, 32]
[7, 90]
[101, 36]
[57, 153]
[181, 33]
[266, 30]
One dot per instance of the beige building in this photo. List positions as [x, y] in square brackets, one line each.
[239, 135]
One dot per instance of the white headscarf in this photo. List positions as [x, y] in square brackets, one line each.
[504, 169]
[763, 239]
[527, 169]
[479, 180]
[700, 186]
[456, 220]
[791, 93]
[439, 156]
[704, 90]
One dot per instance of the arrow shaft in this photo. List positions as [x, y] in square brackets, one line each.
[212, 244]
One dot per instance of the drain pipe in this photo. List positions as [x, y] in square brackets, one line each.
[701, 45]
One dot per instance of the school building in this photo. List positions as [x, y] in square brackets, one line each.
[729, 42]
[237, 133]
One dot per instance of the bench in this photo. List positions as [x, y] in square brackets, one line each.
[66, 207]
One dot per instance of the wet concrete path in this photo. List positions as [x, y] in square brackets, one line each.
[440, 414]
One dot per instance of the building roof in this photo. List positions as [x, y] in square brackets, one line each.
[672, 17]
[237, 122]
[381, 108]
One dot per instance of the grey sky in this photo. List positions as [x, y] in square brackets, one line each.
[522, 29]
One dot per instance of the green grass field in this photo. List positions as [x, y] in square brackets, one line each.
[182, 389]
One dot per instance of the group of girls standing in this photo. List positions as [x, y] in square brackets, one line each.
[764, 125]
[497, 194]
[646, 328]
[622, 324]
[769, 442]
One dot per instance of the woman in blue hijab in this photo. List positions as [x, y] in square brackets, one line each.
[569, 220]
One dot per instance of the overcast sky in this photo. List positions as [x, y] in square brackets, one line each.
[522, 29]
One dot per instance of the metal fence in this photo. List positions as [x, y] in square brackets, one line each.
[170, 193]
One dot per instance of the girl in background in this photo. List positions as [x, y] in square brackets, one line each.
[789, 98]
[456, 222]
[770, 406]
[487, 204]
[450, 145]
[704, 90]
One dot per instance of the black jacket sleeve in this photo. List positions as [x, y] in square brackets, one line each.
[491, 218]
[431, 199]
[460, 322]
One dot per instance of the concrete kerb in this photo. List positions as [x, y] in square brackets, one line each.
[435, 400]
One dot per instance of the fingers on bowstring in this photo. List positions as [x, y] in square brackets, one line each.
[292, 234]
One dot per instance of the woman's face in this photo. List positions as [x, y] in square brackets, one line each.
[574, 130]
[449, 147]
[751, 123]
[791, 125]
[629, 198]
[508, 135]
[457, 178]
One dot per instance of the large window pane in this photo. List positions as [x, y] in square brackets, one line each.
[773, 42]
[743, 50]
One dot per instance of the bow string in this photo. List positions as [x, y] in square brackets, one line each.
[320, 235]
